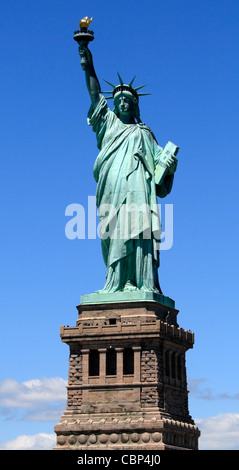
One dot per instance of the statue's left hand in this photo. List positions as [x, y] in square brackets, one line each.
[171, 164]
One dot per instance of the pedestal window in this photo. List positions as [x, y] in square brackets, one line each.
[111, 362]
[94, 363]
[128, 361]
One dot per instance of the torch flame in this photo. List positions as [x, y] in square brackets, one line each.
[85, 22]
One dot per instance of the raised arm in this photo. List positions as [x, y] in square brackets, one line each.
[92, 81]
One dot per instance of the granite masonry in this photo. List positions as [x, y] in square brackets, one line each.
[127, 384]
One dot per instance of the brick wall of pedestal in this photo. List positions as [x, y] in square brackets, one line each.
[151, 399]
[74, 394]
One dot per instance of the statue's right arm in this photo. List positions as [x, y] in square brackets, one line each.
[92, 81]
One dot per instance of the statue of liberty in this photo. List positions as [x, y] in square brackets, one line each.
[125, 174]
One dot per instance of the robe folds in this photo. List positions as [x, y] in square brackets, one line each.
[126, 198]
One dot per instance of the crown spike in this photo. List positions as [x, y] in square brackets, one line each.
[111, 84]
[120, 79]
[139, 87]
[144, 94]
[109, 97]
[130, 83]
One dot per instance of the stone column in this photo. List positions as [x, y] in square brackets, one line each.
[85, 366]
[137, 362]
[102, 353]
[119, 361]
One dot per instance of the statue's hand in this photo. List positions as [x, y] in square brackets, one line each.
[171, 164]
[86, 57]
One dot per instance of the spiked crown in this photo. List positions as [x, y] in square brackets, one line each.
[124, 87]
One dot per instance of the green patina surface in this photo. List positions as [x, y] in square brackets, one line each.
[129, 157]
[134, 296]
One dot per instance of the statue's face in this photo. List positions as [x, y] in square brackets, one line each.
[125, 105]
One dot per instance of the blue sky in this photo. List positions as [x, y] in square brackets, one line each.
[187, 53]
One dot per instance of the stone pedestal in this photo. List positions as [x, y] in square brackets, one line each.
[127, 386]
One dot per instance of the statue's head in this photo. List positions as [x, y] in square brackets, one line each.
[126, 98]
[125, 103]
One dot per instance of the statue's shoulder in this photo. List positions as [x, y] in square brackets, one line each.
[147, 129]
[98, 111]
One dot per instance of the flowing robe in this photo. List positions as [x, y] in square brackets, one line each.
[127, 201]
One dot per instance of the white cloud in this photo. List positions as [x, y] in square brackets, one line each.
[219, 432]
[33, 400]
[31, 394]
[41, 441]
[205, 393]
[45, 413]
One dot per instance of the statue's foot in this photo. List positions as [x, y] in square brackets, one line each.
[129, 286]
